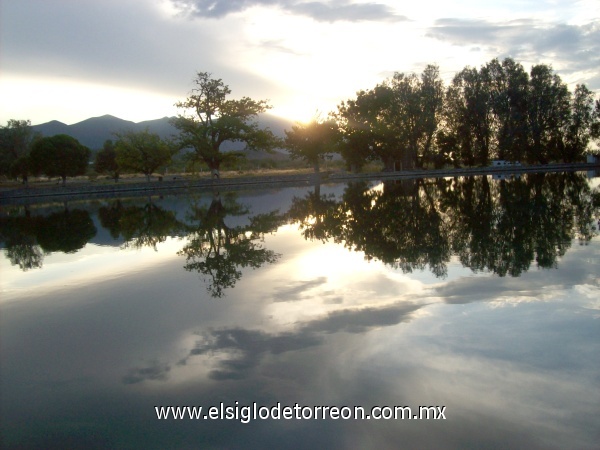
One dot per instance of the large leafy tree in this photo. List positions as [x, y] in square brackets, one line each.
[142, 152]
[59, 156]
[508, 96]
[548, 113]
[312, 142]
[580, 128]
[209, 119]
[369, 127]
[395, 122]
[16, 141]
[356, 140]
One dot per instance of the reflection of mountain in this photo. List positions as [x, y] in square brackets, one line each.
[500, 226]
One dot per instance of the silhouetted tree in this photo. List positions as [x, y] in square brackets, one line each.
[548, 113]
[213, 119]
[60, 155]
[313, 142]
[16, 141]
[142, 152]
[106, 161]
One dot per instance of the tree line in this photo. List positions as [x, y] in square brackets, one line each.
[499, 111]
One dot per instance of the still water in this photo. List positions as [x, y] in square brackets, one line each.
[478, 297]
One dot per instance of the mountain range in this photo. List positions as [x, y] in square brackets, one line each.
[93, 132]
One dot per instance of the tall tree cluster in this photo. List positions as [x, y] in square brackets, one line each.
[499, 111]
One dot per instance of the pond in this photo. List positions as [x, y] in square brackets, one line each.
[306, 317]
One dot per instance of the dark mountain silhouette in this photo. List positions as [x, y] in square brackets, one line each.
[93, 132]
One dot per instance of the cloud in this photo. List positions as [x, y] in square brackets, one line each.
[572, 47]
[350, 12]
[323, 11]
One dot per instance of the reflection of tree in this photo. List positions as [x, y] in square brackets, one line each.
[503, 227]
[399, 225]
[140, 226]
[498, 226]
[218, 251]
[66, 231]
[315, 213]
[28, 238]
[19, 236]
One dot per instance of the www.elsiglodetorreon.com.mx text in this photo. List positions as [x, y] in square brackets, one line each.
[247, 413]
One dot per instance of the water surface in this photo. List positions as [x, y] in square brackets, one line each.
[475, 294]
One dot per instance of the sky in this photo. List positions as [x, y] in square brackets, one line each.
[69, 60]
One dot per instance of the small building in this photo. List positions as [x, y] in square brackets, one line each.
[593, 158]
[503, 163]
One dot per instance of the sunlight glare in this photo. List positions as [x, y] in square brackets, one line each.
[36, 100]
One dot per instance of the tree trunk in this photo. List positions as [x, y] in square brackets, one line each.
[389, 164]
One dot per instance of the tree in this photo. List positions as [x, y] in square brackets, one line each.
[579, 131]
[356, 142]
[16, 140]
[59, 155]
[509, 85]
[432, 103]
[313, 142]
[212, 119]
[142, 152]
[368, 125]
[548, 112]
[106, 161]
[479, 112]
[595, 130]
[395, 122]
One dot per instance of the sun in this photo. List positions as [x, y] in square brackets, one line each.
[296, 111]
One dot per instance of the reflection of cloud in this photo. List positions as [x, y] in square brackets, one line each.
[245, 348]
[155, 371]
[361, 320]
[321, 11]
[239, 350]
[293, 292]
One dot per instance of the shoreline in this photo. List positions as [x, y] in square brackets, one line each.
[82, 190]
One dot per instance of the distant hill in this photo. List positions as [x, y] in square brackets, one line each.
[93, 132]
